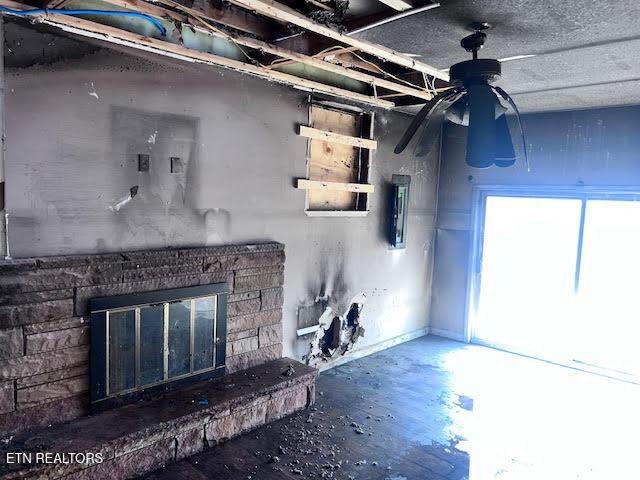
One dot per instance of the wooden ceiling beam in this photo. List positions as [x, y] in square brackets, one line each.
[149, 9]
[322, 55]
[277, 11]
[320, 5]
[329, 67]
[350, 60]
[232, 17]
[236, 18]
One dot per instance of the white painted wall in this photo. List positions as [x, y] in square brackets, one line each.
[74, 128]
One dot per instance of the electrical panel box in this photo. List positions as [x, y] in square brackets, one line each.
[398, 210]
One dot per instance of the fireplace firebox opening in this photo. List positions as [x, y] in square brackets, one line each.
[149, 342]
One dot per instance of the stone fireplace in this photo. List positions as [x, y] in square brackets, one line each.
[81, 334]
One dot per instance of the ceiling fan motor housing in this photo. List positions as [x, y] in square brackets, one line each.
[473, 72]
[475, 104]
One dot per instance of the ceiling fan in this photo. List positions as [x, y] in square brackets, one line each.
[475, 103]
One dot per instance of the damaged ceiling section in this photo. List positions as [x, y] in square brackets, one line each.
[306, 45]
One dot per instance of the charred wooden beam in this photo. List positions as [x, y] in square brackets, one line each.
[277, 11]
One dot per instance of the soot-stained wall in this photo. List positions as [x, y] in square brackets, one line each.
[75, 127]
[587, 147]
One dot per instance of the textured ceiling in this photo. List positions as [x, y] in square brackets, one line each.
[587, 51]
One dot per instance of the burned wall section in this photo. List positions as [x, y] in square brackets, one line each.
[330, 317]
[337, 334]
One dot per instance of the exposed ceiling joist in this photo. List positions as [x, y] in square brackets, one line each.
[405, 88]
[283, 13]
[320, 5]
[118, 36]
[324, 55]
[331, 67]
[151, 9]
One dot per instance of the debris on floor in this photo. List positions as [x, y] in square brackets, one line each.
[358, 429]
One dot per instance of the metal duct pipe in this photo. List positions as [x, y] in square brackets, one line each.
[393, 18]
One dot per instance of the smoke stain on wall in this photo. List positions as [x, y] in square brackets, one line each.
[329, 307]
[164, 211]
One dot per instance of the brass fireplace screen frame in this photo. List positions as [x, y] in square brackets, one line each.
[102, 309]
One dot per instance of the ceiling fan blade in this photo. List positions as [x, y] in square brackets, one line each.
[458, 112]
[481, 138]
[509, 100]
[429, 134]
[433, 124]
[419, 118]
[505, 154]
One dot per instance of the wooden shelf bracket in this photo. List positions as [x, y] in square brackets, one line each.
[316, 134]
[304, 184]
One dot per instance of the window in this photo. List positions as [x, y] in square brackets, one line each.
[554, 273]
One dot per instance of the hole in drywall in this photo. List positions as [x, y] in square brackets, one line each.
[336, 334]
[352, 315]
[331, 337]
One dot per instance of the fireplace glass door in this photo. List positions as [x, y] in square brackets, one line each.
[154, 339]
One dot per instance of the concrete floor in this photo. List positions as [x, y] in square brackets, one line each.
[437, 409]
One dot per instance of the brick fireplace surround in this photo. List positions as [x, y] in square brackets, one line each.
[44, 359]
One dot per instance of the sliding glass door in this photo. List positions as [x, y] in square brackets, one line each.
[527, 276]
[608, 297]
[554, 277]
